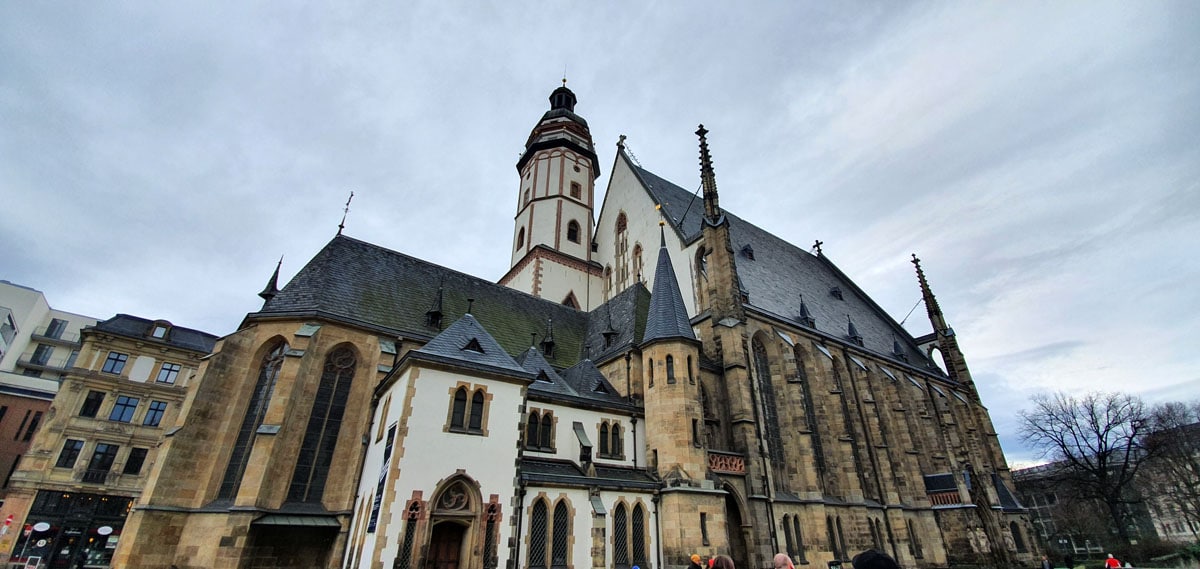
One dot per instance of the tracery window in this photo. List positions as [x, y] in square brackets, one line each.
[324, 423]
[762, 369]
[404, 560]
[629, 537]
[260, 398]
[620, 250]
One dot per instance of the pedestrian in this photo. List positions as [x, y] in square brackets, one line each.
[695, 564]
[1046, 564]
[782, 561]
[723, 562]
[871, 559]
[1112, 562]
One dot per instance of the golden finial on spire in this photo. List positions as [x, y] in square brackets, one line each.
[564, 80]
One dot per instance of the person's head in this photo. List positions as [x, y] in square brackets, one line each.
[871, 559]
[1110, 556]
[782, 561]
[695, 559]
[723, 562]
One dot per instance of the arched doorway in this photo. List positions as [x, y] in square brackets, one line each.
[446, 545]
[735, 536]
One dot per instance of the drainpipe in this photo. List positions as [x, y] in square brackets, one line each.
[657, 530]
[629, 399]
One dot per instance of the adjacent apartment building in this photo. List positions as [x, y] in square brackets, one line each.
[37, 346]
[124, 392]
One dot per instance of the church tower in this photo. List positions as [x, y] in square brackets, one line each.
[552, 234]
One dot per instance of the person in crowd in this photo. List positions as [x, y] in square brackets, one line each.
[1112, 562]
[723, 562]
[871, 559]
[1046, 564]
[695, 564]
[782, 561]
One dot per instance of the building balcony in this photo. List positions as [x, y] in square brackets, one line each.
[70, 339]
[726, 462]
[56, 365]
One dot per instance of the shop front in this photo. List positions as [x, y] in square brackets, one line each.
[71, 530]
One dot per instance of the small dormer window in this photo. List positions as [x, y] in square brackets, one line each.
[541, 376]
[748, 252]
[159, 330]
[836, 292]
[473, 346]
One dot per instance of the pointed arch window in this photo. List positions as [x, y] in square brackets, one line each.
[546, 440]
[560, 554]
[670, 369]
[459, 413]
[914, 542]
[1017, 538]
[324, 423]
[638, 530]
[573, 231]
[762, 369]
[620, 538]
[539, 528]
[637, 262]
[618, 445]
[256, 410]
[787, 534]
[539, 431]
[603, 449]
[621, 249]
[468, 411]
[799, 539]
[830, 530]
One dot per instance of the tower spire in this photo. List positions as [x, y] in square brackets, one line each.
[956, 362]
[712, 207]
[667, 316]
[272, 287]
[931, 305]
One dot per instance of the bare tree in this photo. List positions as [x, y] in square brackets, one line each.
[1098, 440]
[1174, 475]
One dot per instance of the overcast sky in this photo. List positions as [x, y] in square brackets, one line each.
[1042, 159]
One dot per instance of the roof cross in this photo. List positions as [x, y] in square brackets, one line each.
[345, 211]
[817, 246]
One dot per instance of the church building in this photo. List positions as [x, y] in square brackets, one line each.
[654, 377]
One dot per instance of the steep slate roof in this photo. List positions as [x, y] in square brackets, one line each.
[368, 285]
[667, 317]
[466, 343]
[139, 328]
[565, 472]
[589, 383]
[626, 313]
[554, 384]
[781, 272]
